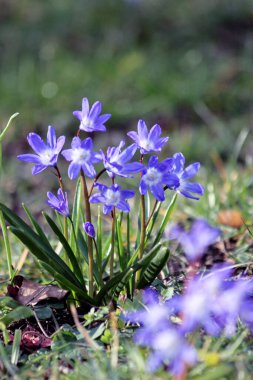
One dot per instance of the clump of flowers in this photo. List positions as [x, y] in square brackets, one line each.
[88, 257]
[211, 302]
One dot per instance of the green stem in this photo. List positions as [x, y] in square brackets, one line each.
[143, 233]
[112, 243]
[65, 225]
[89, 239]
[95, 180]
[75, 238]
[6, 243]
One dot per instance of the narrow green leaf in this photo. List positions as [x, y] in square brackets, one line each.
[146, 258]
[4, 357]
[15, 352]
[3, 133]
[66, 246]
[6, 244]
[77, 210]
[46, 255]
[166, 218]
[20, 312]
[111, 284]
[119, 243]
[84, 250]
[36, 225]
[153, 268]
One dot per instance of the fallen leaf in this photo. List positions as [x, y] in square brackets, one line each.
[28, 292]
[232, 218]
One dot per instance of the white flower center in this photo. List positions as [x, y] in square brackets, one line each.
[147, 145]
[152, 177]
[112, 197]
[87, 123]
[80, 155]
[46, 156]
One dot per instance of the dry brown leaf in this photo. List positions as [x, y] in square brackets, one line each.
[232, 218]
[28, 292]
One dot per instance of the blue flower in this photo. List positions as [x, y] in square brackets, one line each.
[156, 175]
[59, 203]
[82, 157]
[148, 142]
[211, 302]
[89, 229]
[115, 161]
[90, 119]
[185, 187]
[46, 154]
[112, 197]
[197, 239]
[166, 341]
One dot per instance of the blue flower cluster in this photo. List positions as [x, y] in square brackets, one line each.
[155, 176]
[212, 302]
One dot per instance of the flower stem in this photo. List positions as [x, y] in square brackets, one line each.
[143, 228]
[65, 226]
[112, 243]
[89, 238]
[95, 180]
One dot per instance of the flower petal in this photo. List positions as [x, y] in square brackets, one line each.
[36, 142]
[51, 137]
[95, 110]
[29, 158]
[190, 171]
[73, 170]
[38, 168]
[85, 107]
[142, 130]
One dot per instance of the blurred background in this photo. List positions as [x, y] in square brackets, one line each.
[186, 65]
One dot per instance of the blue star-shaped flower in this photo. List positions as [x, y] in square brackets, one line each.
[59, 203]
[185, 187]
[46, 154]
[112, 197]
[148, 141]
[90, 119]
[116, 161]
[156, 175]
[82, 157]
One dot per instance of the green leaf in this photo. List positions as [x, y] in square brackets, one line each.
[66, 246]
[20, 312]
[46, 255]
[15, 352]
[166, 218]
[36, 225]
[77, 210]
[84, 250]
[119, 243]
[153, 268]
[110, 285]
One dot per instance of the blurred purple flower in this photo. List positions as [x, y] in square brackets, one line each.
[59, 203]
[89, 229]
[115, 161]
[195, 241]
[82, 157]
[90, 119]
[112, 197]
[185, 187]
[46, 154]
[156, 175]
[167, 342]
[212, 302]
[148, 141]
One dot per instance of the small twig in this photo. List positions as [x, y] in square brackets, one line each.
[82, 330]
[40, 325]
[115, 339]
